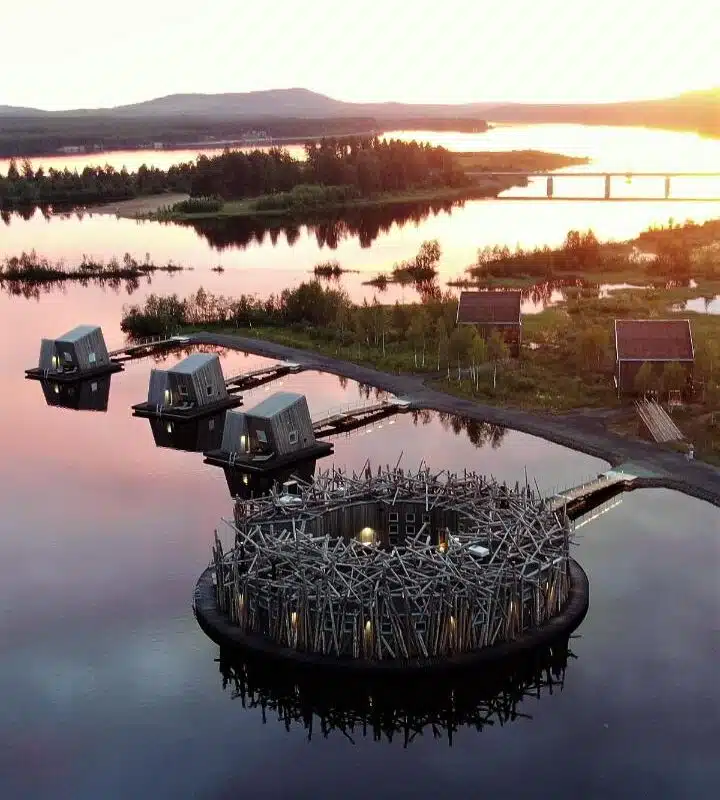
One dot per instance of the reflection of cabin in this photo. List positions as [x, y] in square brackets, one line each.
[656, 341]
[193, 387]
[77, 354]
[192, 436]
[493, 311]
[247, 484]
[87, 395]
[276, 431]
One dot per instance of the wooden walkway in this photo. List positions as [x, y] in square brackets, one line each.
[658, 421]
[146, 347]
[579, 495]
[261, 376]
[349, 417]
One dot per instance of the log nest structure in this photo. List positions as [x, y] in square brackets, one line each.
[399, 568]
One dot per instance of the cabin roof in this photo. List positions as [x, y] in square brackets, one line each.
[653, 340]
[274, 404]
[492, 307]
[78, 333]
[194, 362]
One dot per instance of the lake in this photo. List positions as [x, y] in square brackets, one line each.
[112, 690]
[261, 259]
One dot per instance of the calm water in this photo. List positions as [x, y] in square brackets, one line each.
[258, 259]
[110, 689]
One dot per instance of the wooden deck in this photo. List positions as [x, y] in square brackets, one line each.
[146, 347]
[579, 499]
[184, 414]
[348, 418]
[258, 377]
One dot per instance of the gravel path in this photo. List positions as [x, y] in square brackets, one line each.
[578, 430]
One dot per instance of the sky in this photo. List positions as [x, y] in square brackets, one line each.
[97, 53]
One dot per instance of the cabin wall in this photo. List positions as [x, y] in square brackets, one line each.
[203, 386]
[291, 429]
[159, 383]
[234, 430]
[47, 352]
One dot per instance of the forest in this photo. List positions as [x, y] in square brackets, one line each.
[365, 165]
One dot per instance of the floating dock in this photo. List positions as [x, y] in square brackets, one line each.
[581, 499]
[259, 377]
[352, 417]
[147, 347]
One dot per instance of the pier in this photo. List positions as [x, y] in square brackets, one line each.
[147, 347]
[586, 496]
[258, 377]
[348, 418]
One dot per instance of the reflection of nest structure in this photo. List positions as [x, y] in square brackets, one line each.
[407, 567]
[396, 709]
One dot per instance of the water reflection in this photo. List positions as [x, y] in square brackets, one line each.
[478, 433]
[247, 485]
[195, 436]
[405, 710]
[328, 229]
[88, 395]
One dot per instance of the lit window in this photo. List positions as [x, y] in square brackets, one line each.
[293, 437]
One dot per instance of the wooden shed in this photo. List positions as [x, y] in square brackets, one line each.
[655, 341]
[77, 354]
[87, 395]
[193, 382]
[491, 311]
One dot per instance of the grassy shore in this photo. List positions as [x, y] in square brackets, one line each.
[475, 165]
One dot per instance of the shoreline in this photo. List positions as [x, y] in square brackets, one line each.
[578, 430]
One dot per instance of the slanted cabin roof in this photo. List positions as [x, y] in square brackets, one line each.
[274, 404]
[193, 362]
[489, 308]
[654, 340]
[78, 333]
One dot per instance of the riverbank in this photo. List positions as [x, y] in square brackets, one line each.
[137, 207]
[580, 430]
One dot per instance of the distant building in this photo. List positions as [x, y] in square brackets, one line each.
[195, 382]
[493, 311]
[79, 351]
[655, 341]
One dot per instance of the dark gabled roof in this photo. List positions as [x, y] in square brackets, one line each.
[485, 308]
[653, 339]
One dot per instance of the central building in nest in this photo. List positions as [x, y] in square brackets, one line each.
[395, 568]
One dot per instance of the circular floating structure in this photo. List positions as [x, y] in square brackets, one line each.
[393, 572]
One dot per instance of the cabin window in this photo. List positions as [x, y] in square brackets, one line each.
[393, 528]
[93, 386]
[183, 390]
[91, 358]
[211, 425]
[209, 391]
[68, 357]
[409, 517]
[349, 625]
[394, 516]
[262, 436]
[293, 437]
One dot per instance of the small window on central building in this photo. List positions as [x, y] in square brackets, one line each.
[293, 437]
[209, 391]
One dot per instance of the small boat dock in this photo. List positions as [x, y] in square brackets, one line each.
[259, 377]
[348, 418]
[586, 496]
[147, 347]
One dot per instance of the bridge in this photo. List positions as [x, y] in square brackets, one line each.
[607, 176]
[350, 417]
[258, 377]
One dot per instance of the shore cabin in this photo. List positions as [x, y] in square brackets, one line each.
[279, 425]
[194, 382]
[655, 341]
[88, 395]
[81, 350]
[492, 311]
[193, 436]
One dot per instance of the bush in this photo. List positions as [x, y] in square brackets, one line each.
[198, 205]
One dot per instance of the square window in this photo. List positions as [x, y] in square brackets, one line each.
[262, 436]
[210, 391]
[386, 628]
[393, 529]
[93, 386]
[293, 437]
[409, 530]
[67, 357]
[183, 390]
[91, 358]
[420, 626]
[409, 517]
[394, 516]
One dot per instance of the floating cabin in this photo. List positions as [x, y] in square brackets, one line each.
[87, 395]
[194, 387]
[655, 341]
[275, 433]
[194, 436]
[491, 311]
[78, 354]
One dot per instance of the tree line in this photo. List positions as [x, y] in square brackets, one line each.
[366, 165]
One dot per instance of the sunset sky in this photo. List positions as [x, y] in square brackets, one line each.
[90, 53]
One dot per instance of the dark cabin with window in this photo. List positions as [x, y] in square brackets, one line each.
[76, 355]
[277, 431]
[193, 436]
[493, 311]
[192, 388]
[655, 341]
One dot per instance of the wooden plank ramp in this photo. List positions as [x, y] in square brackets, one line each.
[658, 421]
